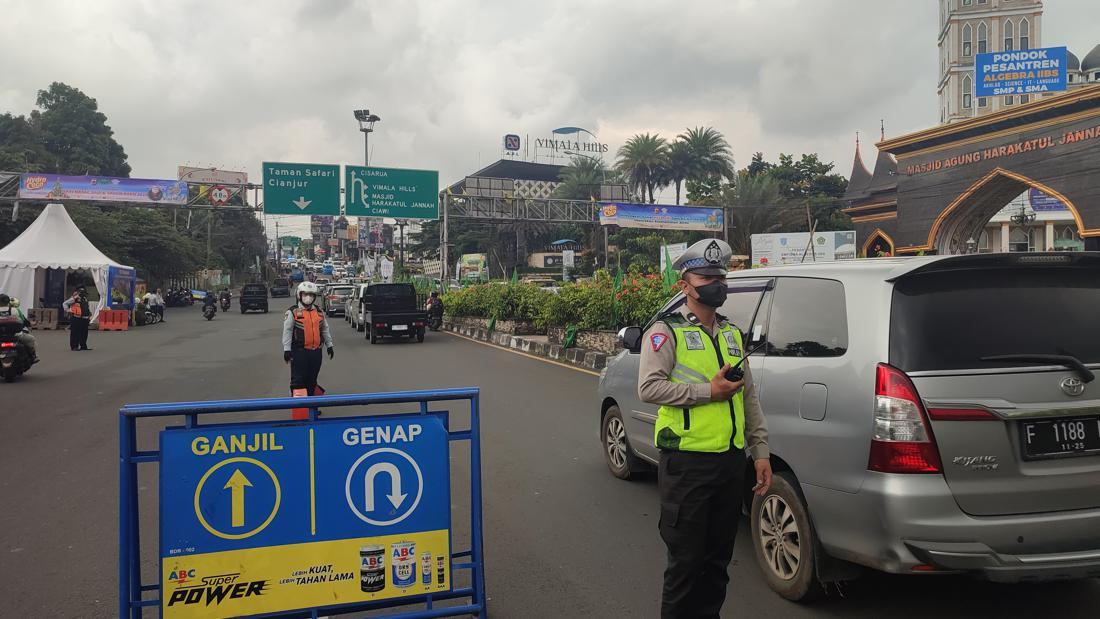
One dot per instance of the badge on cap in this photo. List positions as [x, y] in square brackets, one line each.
[713, 253]
[657, 340]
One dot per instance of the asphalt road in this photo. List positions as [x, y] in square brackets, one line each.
[563, 537]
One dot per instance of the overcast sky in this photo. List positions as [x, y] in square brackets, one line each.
[232, 84]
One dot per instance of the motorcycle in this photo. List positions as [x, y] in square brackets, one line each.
[15, 359]
[435, 315]
[435, 322]
[208, 311]
[225, 304]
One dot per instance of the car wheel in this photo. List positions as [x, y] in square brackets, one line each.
[621, 461]
[374, 337]
[783, 540]
[359, 326]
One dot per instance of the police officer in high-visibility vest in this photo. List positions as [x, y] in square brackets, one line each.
[305, 331]
[705, 426]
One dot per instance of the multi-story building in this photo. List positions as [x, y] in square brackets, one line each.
[972, 27]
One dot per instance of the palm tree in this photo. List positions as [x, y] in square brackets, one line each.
[580, 177]
[710, 154]
[642, 160]
[755, 205]
[680, 165]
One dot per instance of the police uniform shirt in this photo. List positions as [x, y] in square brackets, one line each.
[654, 384]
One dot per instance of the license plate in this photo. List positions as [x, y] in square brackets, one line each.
[399, 327]
[1053, 438]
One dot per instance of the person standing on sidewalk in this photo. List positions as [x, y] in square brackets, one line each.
[691, 365]
[80, 315]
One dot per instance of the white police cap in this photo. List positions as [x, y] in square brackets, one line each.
[706, 257]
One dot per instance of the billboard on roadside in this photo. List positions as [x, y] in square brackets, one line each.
[213, 186]
[1020, 72]
[661, 216]
[101, 189]
[795, 247]
[673, 251]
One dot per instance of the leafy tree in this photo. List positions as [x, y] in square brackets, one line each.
[758, 166]
[642, 161]
[21, 145]
[76, 134]
[754, 205]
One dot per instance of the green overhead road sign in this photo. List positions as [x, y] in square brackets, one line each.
[301, 189]
[391, 192]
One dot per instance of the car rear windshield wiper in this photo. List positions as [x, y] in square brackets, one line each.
[1067, 360]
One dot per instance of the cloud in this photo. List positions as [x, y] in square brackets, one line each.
[236, 83]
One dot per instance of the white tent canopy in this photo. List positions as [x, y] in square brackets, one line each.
[52, 242]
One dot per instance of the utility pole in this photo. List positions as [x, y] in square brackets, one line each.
[443, 247]
[278, 250]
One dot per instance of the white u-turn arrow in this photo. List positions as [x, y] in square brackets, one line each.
[396, 497]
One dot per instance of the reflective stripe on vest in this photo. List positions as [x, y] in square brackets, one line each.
[307, 328]
[710, 427]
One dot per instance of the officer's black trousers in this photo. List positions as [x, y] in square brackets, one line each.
[78, 333]
[700, 507]
[305, 365]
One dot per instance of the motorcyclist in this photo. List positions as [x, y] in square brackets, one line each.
[305, 330]
[434, 305]
[10, 307]
[209, 301]
[225, 298]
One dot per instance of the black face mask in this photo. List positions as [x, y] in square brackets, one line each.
[713, 294]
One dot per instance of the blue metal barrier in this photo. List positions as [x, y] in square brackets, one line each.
[317, 531]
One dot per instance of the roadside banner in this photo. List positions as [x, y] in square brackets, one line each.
[661, 216]
[283, 518]
[1020, 72]
[794, 248]
[102, 189]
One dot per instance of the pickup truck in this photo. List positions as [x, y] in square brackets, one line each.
[394, 310]
[280, 287]
[253, 297]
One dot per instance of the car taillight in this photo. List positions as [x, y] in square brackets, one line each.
[902, 440]
[7, 344]
[961, 414]
[418, 323]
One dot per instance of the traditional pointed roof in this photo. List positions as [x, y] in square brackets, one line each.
[860, 178]
[885, 177]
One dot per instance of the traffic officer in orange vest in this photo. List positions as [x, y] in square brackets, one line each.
[305, 330]
[709, 419]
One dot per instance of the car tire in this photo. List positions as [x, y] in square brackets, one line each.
[374, 337]
[242, 310]
[620, 458]
[783, 540]
[420, 334]
[359, 326]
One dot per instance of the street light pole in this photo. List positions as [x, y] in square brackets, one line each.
[366, 125]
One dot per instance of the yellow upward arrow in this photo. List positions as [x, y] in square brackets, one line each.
[237, 482]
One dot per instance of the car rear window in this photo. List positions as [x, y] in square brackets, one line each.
[253, 289]
[282, 282]
[392, 290]
[950, 320]
[344, 290]
[808, 318]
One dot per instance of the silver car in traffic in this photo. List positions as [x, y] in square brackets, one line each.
[926, 415]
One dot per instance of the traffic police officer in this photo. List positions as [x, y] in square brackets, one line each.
[705, 424]
[304, 331]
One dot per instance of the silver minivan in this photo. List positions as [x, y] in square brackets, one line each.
[353, 309]
[927, 415]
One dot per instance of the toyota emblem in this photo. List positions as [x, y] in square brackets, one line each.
[1073, 386]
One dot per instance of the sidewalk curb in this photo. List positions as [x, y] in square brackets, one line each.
[578, 357]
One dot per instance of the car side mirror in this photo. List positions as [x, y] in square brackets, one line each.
[630, 338]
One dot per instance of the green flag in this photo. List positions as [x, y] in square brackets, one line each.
[515, 275]
[669, 274]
